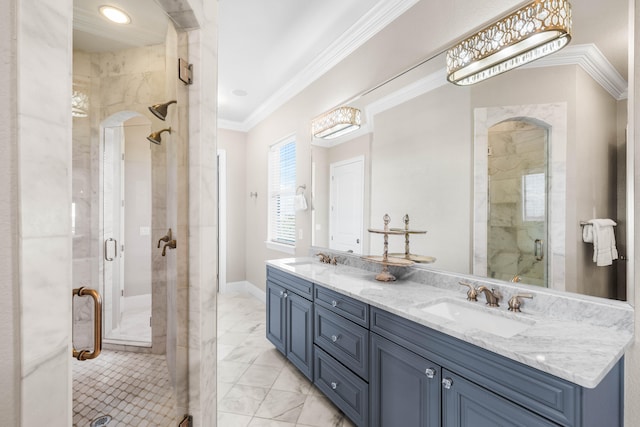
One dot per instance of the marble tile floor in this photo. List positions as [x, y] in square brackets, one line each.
[133, 388]
[134, 324]
[257, 386]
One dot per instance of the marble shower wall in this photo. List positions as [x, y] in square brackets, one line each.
[40, 96]
[120, 85]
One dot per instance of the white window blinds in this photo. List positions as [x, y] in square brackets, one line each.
[282, 191]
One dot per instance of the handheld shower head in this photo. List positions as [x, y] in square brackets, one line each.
[160, 110]
[156, 137]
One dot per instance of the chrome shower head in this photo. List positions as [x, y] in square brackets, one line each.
[160, 110]
[156, 137]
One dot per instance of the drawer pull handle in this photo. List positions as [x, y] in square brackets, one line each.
[334, 385]
[430, 373]
[335, 338]
[334, 303]
[447, 383]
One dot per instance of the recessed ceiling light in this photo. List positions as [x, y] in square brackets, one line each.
[239, 92]
[114, 14]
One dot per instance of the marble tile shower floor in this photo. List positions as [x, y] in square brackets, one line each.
[257, 386]
[133, 388]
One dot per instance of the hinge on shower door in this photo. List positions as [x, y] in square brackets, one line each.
[186, 422]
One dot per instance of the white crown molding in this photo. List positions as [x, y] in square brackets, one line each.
[231, 125]
[587, 56]
[381, 15]
[593, 62]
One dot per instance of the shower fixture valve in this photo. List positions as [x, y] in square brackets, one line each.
[171, 245]
[165, 238]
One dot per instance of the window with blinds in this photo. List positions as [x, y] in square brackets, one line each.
[282, 191]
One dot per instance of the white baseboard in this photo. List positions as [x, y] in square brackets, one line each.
[244, 286]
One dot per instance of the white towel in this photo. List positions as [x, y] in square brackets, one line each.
[301, 202]
[600, 233]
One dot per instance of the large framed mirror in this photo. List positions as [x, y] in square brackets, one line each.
[502, 174]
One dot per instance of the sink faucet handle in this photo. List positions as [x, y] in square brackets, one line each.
[515, 303]
[472, 294]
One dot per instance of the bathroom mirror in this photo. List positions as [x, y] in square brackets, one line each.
[425, 150]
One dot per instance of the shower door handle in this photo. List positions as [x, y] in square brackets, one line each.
[97, 324]
[538, 250]
[115, 248]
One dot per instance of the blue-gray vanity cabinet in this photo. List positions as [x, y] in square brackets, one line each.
[528, 390]
[344, 340]
[465, 404]
[345, 389]
[404, 387]
[290, 318]
[276, 316]
[341, 338]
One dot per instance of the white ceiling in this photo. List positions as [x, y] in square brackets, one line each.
[272, 49]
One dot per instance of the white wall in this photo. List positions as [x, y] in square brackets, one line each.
[422, 157]
[234, 144]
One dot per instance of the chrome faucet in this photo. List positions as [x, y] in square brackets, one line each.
[490, 295]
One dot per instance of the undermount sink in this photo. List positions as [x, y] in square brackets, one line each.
[306, 266]
[478, 318]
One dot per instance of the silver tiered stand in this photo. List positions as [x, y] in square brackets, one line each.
[385, 259]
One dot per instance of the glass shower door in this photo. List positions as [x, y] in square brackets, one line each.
[113, 268]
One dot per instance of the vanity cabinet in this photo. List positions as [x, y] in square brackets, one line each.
[290, 318]
[478, 387]
[405, 387]
[384, 370]
[341, 338]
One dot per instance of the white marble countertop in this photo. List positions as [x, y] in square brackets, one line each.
[570, 347]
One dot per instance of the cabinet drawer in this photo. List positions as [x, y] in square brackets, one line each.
[543, 393]
[352, 309]
[293, 283]
[345, 389]
[344, 340]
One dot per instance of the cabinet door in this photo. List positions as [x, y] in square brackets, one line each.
[276, 315]
[404, 387]
[465, 404]
[299, 333]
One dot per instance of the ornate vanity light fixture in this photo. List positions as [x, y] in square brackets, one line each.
[531, 32]
[336, 122]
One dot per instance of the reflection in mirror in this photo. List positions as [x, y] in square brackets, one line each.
[517, 202]
[437, 152]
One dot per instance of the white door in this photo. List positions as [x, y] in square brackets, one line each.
[347, 205]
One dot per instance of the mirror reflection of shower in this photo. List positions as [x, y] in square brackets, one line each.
[517, 202]
[127, 207]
